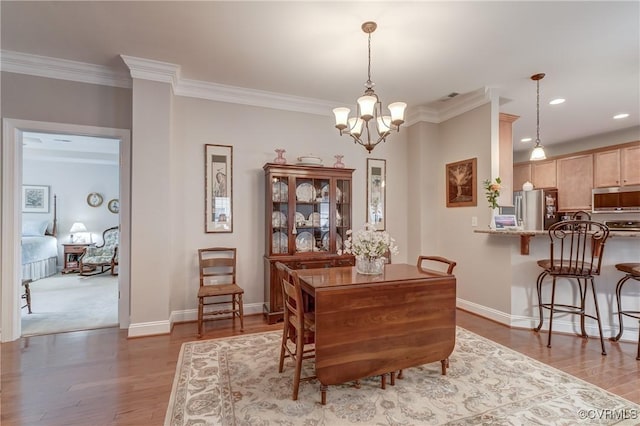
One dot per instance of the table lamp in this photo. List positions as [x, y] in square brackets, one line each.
[76, 228]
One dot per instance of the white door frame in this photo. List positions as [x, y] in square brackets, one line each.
[11, 217]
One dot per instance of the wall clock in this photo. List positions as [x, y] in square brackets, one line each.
[114, 206]
[94, 199]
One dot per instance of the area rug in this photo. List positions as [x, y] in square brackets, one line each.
[71, 302]
[235, 381]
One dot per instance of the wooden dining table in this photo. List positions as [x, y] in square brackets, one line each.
[368, 325]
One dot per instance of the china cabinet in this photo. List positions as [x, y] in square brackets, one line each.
[308, 211]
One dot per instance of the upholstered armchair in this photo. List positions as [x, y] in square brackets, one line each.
[104, 256]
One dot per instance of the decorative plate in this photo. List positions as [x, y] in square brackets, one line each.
[305, 192]
[325, 241]
[94, 199]
[278, 220]
[304, 241]
[280, 191]
[114, 206]
[280, 243]
[314, 218]
[324, 192]
[300, 220]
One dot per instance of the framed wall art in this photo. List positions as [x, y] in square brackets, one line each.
[218, 187]
[35, 199]
[462, 179]
[376, 193]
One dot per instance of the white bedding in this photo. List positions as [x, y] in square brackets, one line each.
[39, 257]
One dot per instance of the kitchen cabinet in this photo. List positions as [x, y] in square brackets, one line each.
[307, 215]
[630, 159]
[606, 168]
[617, 167]
[575, 181]
[543, 174]
[521, 174]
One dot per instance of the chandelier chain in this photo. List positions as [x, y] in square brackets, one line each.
[369, 67]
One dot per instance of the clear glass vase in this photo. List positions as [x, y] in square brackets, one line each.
[370, 266]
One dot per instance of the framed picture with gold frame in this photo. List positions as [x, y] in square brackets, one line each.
[376, 193]
[462, 182]
[218, 187]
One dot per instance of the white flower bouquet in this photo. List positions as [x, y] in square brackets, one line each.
[368, 243]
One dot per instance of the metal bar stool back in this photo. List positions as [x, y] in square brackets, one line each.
[575, 253]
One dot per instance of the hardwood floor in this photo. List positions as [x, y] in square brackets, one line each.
[100, 377]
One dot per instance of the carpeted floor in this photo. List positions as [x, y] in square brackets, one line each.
[235, 381]
[70, 302]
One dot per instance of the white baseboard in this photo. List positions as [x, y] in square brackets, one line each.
[187, 315]
[149, 328]
[192, 314]
[560, 325]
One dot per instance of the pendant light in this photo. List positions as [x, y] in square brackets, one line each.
[538, 151]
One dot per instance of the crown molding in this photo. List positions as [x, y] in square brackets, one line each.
[253, 97]
[62, 69]
[149, 69]
[165, 72]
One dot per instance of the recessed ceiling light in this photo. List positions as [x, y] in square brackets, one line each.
[525, 140]
[557, 101]
[619, 116]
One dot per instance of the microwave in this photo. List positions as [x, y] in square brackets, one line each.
[616, 199]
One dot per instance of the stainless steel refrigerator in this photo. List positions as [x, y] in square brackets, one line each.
[536, 209]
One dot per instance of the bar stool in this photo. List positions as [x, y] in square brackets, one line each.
[576, 252]
[632, 271]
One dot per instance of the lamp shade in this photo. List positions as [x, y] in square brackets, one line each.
[78, 227]
[538, 153]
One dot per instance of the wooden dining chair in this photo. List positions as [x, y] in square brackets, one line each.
[218, 287]
[440, 263]
[299, 326]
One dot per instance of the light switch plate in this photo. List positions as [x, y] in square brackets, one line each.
[474, 220]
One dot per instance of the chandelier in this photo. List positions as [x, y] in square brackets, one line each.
[538, 150]
[369, 109]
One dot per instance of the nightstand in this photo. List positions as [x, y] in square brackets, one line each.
[72, 253]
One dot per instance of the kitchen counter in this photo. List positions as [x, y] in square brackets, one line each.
[525, 236]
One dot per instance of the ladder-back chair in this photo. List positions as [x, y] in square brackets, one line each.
[218, 287]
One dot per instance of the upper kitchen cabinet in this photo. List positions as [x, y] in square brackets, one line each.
[543, 174]
[617, 167]
[521, 174]
[575, 181]
[630, 159]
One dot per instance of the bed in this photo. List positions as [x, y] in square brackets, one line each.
[39, 247]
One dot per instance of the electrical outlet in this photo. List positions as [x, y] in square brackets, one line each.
[474, 220]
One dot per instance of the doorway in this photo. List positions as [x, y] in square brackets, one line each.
[81, 173]
[10, 232]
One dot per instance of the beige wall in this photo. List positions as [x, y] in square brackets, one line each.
[482, 282]
[44, 99]
[254, 134]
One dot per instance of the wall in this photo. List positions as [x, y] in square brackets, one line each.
[254, 134]
[484, 283]
[72, 182]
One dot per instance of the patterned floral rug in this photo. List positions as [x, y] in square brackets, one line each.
[235, 381]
